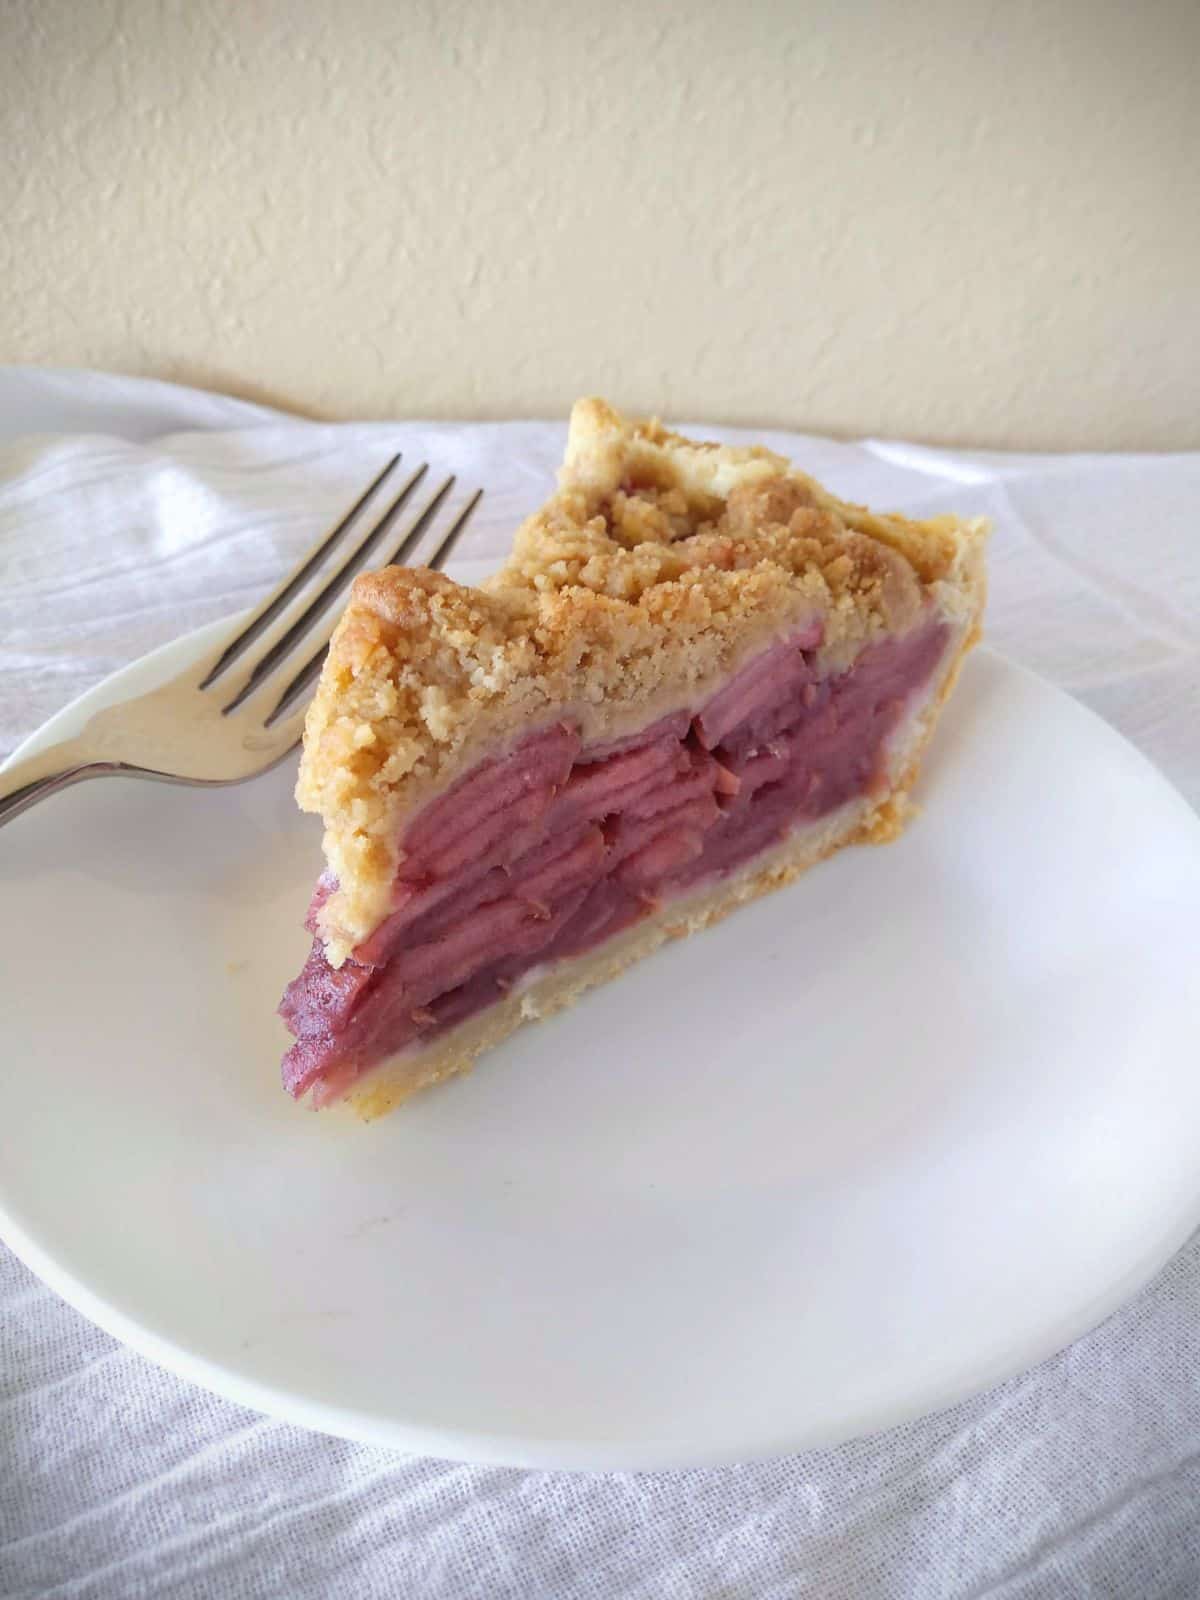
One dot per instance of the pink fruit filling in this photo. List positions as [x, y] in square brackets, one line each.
[553, 848]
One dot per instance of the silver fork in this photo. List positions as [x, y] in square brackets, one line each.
[239, 709]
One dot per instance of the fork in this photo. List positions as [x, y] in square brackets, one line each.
[239, 709]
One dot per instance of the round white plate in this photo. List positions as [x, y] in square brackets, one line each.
[873, 1143]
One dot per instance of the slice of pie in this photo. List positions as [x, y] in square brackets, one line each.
[698, 674]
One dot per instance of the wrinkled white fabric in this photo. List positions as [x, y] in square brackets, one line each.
[132, 511]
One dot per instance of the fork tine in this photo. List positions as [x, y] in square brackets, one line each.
[311, 669]
[276, 601]
[324, 597]
[292, 696]
[441, 555]
[413, 537]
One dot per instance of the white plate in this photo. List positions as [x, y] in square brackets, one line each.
[873, 1143]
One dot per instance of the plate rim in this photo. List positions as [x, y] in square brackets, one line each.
[529, 1451]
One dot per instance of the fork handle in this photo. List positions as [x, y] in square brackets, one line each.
[24, 783]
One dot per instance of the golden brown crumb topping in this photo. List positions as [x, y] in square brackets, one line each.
[657, 567]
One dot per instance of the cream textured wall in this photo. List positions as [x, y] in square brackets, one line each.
[957, 221]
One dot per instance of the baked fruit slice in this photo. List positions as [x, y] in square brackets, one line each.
[697, 674]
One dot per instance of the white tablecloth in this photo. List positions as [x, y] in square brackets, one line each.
[132, 511]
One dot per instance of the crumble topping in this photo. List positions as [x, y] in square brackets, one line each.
[655, 570]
